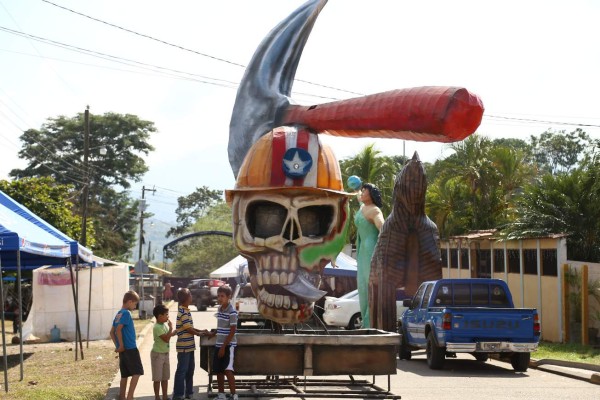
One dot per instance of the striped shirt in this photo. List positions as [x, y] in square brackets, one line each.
[226, 318]
[185, 340]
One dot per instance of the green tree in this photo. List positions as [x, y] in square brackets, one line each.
[192, 207]
[198, 257]
[475, 188]
[56, 150]
[444, 202]
[50, 201]
[116, 235]
[472, 167]
[563, 204]
[559, 152]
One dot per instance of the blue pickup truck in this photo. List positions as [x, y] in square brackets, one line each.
[475, 316]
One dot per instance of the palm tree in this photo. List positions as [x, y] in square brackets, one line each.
[371, 167]
[445, 206]
[471, 166]
[513, 171]
[566, 203]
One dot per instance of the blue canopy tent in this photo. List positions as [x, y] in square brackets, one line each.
[39, 242]
[29, 242]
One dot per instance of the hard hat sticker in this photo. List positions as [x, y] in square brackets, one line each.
[297, 163]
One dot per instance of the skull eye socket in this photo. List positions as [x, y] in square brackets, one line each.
[265, 219]
[315, 221]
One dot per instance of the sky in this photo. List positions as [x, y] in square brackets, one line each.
[534, 64]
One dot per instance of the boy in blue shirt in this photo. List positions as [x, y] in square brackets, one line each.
[122, 334]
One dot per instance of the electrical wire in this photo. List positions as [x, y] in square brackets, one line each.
[543, 122]
[186, 49]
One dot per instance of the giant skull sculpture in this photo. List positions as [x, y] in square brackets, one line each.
[289, 216]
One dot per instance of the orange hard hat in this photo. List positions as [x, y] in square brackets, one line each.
[289, 158]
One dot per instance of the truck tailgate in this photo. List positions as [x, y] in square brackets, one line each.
[497, 324]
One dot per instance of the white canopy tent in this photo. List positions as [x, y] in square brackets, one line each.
[231, 269]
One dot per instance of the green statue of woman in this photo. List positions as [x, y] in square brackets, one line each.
[368, 221]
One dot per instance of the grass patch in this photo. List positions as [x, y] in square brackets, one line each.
[568, 352]
[50, 371]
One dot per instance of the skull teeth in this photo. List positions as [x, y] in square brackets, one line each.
[277, 300]
[274, 278]
[291, 277]
[266, 278]
[282, 270]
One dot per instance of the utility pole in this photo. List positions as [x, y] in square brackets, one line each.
[86, 186]
[142, 208]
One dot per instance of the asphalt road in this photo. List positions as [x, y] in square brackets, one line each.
[461, 378]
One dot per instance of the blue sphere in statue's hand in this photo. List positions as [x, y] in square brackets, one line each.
[354, 182]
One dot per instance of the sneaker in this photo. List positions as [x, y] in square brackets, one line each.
[234, 397]
[221, 396]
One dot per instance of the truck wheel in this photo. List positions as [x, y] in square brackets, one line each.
[435, 355]
[201, 306]
[481, 357]
[404, 351]
[520, 361]
[355, 322]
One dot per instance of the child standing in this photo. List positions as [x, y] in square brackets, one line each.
[122, 334]
[226, 341]
[184, 375]
[159, 356]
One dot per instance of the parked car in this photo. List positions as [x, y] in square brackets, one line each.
[246, 305]
[212, 284]
[345, 311]
[475, 316]
[201, 294]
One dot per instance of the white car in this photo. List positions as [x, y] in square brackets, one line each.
[345, 311]
[246, 305]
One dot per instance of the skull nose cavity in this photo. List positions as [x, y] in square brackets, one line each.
[291, 231]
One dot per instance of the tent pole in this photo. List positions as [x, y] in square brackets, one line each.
[78, 322]
[77, 332]
[20, 311]
[74, 302]
[4, 356]
[78, 327]
[76, 309]
[87, 346]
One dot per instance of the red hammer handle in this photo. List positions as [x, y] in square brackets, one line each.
[431, 113]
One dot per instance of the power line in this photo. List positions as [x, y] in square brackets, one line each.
[110, 57]
[186, 49]
[543, 122]
[147, 66]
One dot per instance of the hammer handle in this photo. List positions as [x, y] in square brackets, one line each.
[430, 113]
